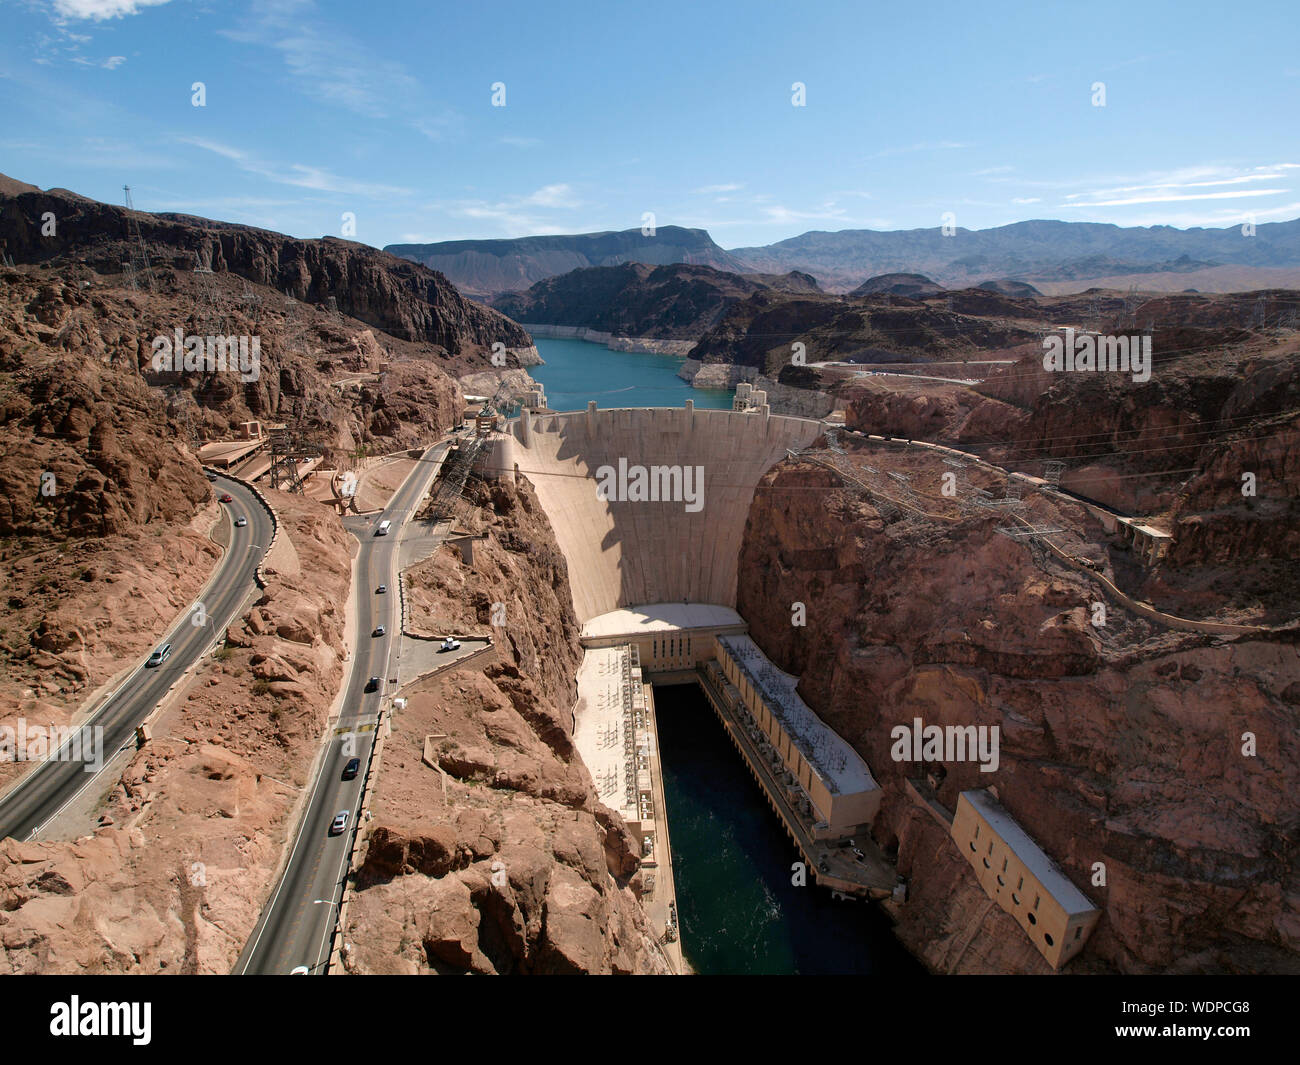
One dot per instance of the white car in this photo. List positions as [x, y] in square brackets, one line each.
[450, 644]
[340, 822]
[240, 522]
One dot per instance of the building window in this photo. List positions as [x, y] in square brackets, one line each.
[977, 830]
[990, 846]
[1033, 919]
[986, 863]
[1037, 900]
[1015, 898]
[1004, 864]
[1020, 886]
[1047, 938]
[1001, 882]
[972, 847]
[1078, 932]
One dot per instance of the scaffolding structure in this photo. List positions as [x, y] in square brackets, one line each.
[448, 501]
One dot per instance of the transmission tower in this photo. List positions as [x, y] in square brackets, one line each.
[139, 253]
[1052, 470]
[1257, 316]
[1131, 303]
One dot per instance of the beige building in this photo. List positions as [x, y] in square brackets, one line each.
[1017, 875]
[672, 639]
[833, 776]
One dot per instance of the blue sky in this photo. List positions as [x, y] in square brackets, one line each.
[384, 110]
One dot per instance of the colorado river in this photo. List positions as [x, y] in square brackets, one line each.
[738, 911]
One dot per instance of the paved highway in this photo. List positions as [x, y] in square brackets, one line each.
[50, 785]
[294, 930]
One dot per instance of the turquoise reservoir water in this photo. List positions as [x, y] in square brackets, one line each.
[738, 911]
[577, 371]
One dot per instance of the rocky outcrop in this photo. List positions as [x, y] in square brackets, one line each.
[490, 851]
[678, 302]
[916, 286]
[190, 840]
[762, 330]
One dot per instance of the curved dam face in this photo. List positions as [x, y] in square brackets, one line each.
[649, 504]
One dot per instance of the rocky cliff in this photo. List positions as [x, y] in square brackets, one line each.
[490, 851]
[1121, 745]
[392, 294]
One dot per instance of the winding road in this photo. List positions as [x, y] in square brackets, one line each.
[53, 783]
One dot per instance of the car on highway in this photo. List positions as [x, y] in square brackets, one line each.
[379, 631]
[381, 589]
[340, 822]
[450, 644]
[372, 685]
[159, 656]
[351, 770]
[227, 498]
[240, 522]
[211, 476]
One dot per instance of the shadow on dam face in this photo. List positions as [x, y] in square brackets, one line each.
[626, 549]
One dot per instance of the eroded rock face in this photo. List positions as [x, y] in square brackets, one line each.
[400, 297]
[176, 875]
[1120, 745]
[490, 851]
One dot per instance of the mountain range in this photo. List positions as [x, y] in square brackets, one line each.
[1034, 251]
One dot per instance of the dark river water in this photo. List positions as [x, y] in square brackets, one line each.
[738, 911]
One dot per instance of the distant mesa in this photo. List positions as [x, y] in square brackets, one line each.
[492, 267]
[915, 286]
[677, 301]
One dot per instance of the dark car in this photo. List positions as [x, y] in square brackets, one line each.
[352, 769]
[381, 589]
[372, 685]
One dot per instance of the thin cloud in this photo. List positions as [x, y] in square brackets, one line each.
[1177, 198]
[299, 175]
[100, 10]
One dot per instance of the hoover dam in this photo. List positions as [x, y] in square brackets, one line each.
[632, 552]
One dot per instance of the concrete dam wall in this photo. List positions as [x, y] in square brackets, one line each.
[632, 551]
